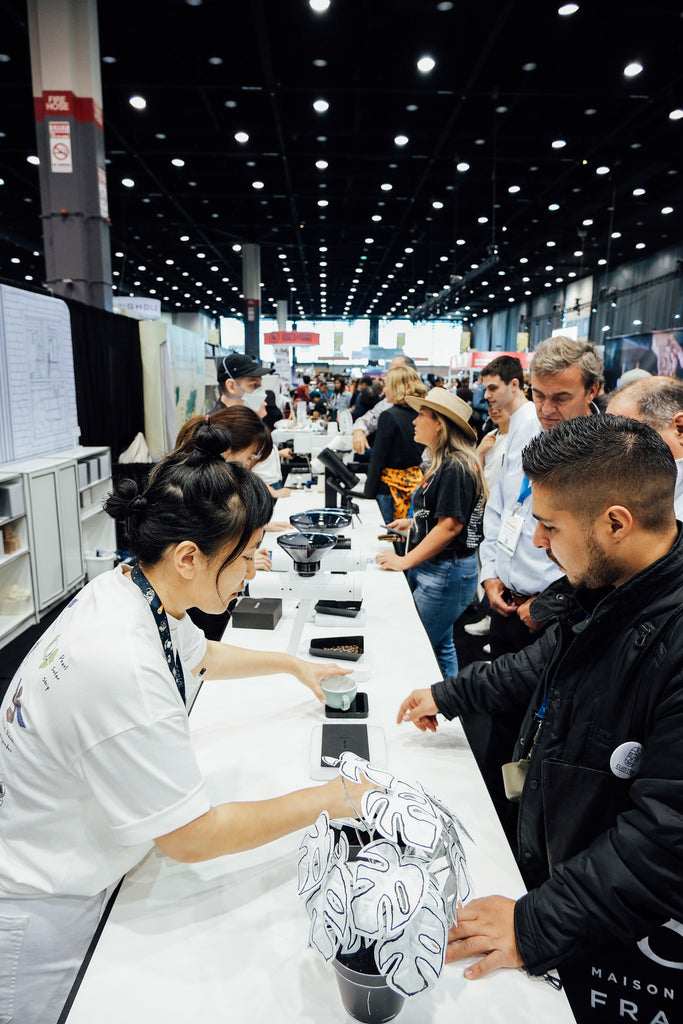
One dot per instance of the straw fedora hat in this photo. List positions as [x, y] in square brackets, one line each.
[448, 405]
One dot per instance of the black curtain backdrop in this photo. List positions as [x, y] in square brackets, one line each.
[108, 369]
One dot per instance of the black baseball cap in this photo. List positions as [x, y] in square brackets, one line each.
[237, 365]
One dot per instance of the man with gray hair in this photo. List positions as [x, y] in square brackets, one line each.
[565, 378]
[657, 401]
[367, 424]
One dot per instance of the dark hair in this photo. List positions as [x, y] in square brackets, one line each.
[592, 462]
[192, 495]
[508, 368]
[242, 425]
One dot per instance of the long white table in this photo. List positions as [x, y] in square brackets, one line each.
[227, 939]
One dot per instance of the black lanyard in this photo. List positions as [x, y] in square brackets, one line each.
[152, 598]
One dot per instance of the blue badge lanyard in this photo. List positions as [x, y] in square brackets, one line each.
[538, 722]
[525, 491]
[152, 599]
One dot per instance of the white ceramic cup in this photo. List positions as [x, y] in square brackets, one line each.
[339, 691]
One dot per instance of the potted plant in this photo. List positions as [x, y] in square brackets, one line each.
[382, 889]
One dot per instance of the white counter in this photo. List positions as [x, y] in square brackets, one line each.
[227, 940]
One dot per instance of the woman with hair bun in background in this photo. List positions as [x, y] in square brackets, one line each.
[96, 762]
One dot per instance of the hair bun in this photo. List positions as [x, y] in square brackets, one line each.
[212, 441]
[138, 505]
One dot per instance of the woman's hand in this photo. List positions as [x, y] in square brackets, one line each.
[311, 674]
[401, 524]
[420, 709]
[390, 560]
[262, 560]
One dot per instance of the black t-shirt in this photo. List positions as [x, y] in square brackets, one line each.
[451, 492]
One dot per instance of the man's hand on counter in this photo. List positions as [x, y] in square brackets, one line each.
[485, 926]
[420, 709]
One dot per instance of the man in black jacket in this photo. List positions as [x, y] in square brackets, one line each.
[597, 768]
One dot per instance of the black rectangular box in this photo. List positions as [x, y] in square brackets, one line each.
[257, 613]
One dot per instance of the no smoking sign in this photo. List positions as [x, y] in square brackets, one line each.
[60, 147]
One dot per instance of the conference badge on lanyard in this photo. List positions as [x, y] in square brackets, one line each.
[513, 522]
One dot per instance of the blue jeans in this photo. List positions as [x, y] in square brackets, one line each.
[442, 590]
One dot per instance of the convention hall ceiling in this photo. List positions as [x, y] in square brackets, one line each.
[534, 151]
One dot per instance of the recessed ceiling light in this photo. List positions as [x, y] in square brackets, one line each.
[322, 165]
[482, 220]
[462, 166]
[320, 63]
[437, 205]
[554, 206]
[412, 107]
[530, 66]
[323, 202]
[480, 142]
[426, 64]
[230, 103]
[458, 241]
[241, 137]
[676, 114]
[578, 252]
[177, 162]
[33, 159]
[523, 259]
[216, 61]
[567, 9]
[386, 186]
[321, 106]
[105, 60]
[640, 245]
[501, 110]
[401, 140]
[513, 188]
[128, 182]
[602, 262]
[667, 209]
[138, 102]
[633, 69]
[559, 143]
[319, 6]
[376, 217]
[602, 170]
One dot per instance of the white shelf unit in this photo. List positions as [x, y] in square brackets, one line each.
[51, 509]
[98, 529]
[16, 612]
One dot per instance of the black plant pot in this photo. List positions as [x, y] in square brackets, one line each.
[366, 996]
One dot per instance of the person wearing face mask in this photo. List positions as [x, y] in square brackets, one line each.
[239, 380]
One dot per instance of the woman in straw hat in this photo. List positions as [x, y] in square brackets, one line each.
[446, 528]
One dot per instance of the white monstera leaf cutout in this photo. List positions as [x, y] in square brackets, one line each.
[388, 890]
[328, 909]
[403, 812]
[414, 959]
[316, 849]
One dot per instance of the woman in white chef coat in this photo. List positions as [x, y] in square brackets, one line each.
[96, 765]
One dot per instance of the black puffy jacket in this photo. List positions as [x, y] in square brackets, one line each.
[600, 855]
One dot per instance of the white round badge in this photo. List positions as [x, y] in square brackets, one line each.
[625, 759]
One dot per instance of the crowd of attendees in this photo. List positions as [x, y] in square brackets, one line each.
[559, 501]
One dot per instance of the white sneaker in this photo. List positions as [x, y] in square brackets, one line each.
[480, 628]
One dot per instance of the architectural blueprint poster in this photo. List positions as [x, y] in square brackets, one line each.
[37, 387]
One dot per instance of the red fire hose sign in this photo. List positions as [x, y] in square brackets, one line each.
[60, 147]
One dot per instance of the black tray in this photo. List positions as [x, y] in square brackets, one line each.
[358, 708]
[328, 647]
[346, 609]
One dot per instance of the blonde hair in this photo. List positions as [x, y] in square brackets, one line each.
[452, 444]
[404, 381]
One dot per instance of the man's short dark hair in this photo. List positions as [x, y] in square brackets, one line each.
[592, 462]
[506, 367]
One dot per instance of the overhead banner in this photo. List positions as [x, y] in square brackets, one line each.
[477, 360]
[291, 338]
